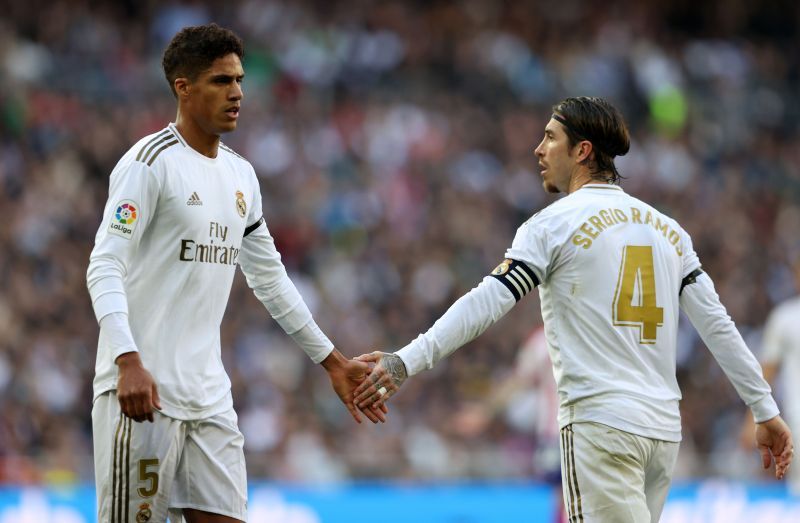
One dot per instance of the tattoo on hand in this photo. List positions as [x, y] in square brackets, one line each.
[395, 368]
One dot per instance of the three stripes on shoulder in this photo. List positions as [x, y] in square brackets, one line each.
[163, 140]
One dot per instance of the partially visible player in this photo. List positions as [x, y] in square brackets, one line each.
[781, 357]
[612, 274]
[183, 211]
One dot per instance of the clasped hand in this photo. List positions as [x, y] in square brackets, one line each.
[385, 378]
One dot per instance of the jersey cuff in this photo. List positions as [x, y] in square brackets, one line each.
[413, 358]
[764, 409]
[516, 276]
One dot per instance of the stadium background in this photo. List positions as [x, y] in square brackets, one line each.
[393, 141]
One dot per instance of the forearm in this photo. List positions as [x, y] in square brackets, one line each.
[465, 320]
[702, 305]
[104, 280]
[266, 275]
[314, 342]
[116, 331]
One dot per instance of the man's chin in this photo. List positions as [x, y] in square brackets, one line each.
[225, 127]
[549, 187]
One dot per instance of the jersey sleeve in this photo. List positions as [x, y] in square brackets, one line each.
[261, 264]
[702, 305]
[464, 321]
[255, 214]
[534, 246]
[132, 199]
[526, 265]
[691, 262]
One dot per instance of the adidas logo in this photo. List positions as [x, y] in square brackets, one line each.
[194, 200]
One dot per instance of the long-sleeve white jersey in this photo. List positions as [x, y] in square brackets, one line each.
[612, 273]
[175, 227]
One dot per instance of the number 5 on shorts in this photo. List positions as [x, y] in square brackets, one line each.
[637, 280]
[150, 476]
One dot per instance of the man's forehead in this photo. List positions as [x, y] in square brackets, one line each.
[227, 65]
[554, 127]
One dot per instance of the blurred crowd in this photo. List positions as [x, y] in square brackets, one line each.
[394, 145]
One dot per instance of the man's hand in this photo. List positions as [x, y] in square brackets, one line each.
[345, 376]
[384, 381]
[136, 390]
[774, 440]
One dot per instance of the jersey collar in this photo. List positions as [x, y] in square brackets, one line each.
[602, 186]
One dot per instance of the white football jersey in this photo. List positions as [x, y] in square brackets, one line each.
[610, 271]
[782, 347]
[176, 225]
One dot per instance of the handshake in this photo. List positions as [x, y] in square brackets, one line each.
[366, 382]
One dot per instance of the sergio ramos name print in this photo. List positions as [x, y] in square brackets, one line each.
[124, 219]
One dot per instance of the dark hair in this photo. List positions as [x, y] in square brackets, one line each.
[596, 120]
[195, 48]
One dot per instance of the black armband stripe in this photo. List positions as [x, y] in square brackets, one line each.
[519, 280]
[528, 277]
[517, 277]
[690, 279]
[527, 270]
[253, 227]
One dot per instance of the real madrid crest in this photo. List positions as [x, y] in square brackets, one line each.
[241, 207]
[144, 514]
[502, 268]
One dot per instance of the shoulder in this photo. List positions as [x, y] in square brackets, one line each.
[548, 226]
[557, 215]
[239, 161]
[152, 147]
[657, 212]
[787, 311]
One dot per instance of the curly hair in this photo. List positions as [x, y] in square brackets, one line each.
[594, 119]
[195, 48]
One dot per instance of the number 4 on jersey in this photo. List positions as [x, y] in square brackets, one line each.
[635, 297]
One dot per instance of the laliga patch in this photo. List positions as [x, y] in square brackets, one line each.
[124, 219]
[502, 268]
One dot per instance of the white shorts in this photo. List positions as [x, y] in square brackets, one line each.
[612, 476]
[146, 471]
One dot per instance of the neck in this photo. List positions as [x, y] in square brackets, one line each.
[201, 141]
[579, 179]
[582, 178]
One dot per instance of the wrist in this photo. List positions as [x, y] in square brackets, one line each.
[333, 361]
[128, 359]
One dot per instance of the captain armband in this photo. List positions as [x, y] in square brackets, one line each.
[516, 276]
[690, 279]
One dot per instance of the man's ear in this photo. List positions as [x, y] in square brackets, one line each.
[182, 87]
[585, 149]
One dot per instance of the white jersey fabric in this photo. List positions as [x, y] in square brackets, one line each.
[610, 270]
[782, 348]
[175, 226]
